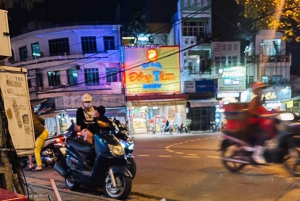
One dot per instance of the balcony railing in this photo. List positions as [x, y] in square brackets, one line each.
[268, 58]
[66, 56]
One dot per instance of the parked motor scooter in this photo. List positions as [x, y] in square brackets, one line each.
[128, 145]
[238, 145]
[52, 152]
[102, 166]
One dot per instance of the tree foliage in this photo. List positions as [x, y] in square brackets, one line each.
[135, 27]
[6, 4]
[282, 15]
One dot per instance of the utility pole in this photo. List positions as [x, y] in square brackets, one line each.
[10, 169]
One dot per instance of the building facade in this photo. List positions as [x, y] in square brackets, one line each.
[63, 63]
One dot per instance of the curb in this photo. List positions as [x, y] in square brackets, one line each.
[99, 197]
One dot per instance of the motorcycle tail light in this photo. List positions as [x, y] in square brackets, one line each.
[57, 140]
[78, 133]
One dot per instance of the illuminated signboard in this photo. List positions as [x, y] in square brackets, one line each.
[232, 79]
[151, 70]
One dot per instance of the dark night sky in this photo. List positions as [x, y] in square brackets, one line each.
[226, 14]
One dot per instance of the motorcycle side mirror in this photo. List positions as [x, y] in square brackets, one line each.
[286, 116]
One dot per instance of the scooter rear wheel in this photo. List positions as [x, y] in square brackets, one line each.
[72, 185]
[232, 152]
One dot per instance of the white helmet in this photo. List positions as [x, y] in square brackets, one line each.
[86, 97]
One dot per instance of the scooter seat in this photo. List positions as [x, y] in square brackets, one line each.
[80, 145]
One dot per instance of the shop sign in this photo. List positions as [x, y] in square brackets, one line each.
[232, 79]
[189, 87]
[151, 71]
[199, 86]
[221, 95]
[270, 95]
[290, 104]
[30, 73]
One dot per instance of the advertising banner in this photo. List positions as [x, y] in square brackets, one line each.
[232, 79]
[151, 70]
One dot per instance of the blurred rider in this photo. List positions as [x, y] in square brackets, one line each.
[259, 116]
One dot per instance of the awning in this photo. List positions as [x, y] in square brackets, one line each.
[158, 100]
[203, 102]
[34, 103]
[50, 115]
[158, 97]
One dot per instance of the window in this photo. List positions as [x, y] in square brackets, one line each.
[59, 46]
[223, 47]
[229, 47]
[235, 47]
[35, 49]
[276, 79]
[29, 83]
[186, 3]
[72, 76]
[265, 79]
[39, 80]
[271, 47]
[192, 2]
[23, 53]
[220, 62]
[88, 44]
[91, 76]
[198, 3]
[109, 42]
[232, 60]
[111, 75]
[193, 28]
[54, 78]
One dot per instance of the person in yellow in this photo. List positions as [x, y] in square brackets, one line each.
[41, 134]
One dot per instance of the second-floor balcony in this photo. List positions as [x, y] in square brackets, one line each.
[109, 55]
[268, 58]
[58, 91]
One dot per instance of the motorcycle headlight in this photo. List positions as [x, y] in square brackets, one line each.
[123, 143]
[286, 116]
[116, 149]
[131, 147]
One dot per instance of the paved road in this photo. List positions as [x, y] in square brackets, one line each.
[189, 168]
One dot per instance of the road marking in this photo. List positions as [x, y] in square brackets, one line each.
[190, 156]
[164, 156]
[216, 157]
[169, 150]
[143, 155]
[178, 152]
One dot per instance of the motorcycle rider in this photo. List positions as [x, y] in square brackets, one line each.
[103, 124]
[259, 117]
[85, 114]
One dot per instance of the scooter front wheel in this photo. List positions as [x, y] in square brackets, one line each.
[230, 158]
[132, 167]
[122, 189]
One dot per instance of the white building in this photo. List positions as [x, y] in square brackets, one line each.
[65, 62]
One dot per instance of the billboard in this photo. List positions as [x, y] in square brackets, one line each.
[151, 70]
[232, 79]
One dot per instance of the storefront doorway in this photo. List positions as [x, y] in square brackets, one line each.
[201, 118]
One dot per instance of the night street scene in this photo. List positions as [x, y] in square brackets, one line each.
[162, 100]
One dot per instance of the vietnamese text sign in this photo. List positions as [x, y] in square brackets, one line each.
[232, 79]
[152, 70]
